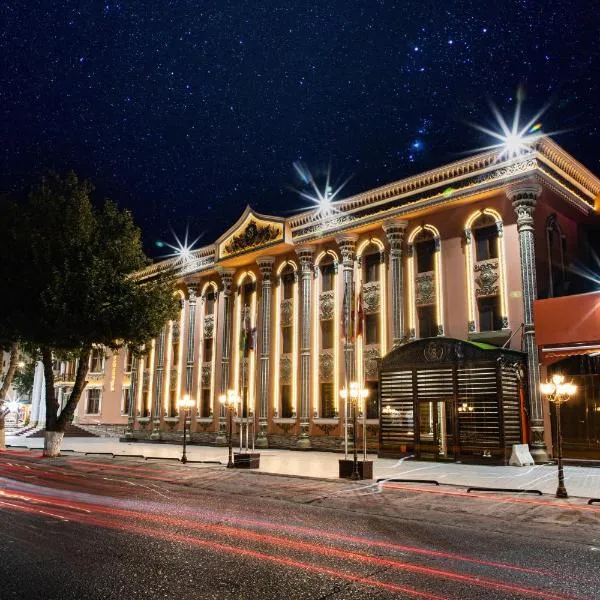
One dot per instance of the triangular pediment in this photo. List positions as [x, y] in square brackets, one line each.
[250, 232]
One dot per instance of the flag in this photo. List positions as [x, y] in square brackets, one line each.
[360, 315]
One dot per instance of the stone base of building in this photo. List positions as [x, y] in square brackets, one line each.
[104, 429]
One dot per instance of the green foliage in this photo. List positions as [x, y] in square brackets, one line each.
[68, 271]
[23, 378]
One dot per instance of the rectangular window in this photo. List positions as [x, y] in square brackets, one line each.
[372, 262]
[486, 245]
[425, 252]
[372, 399]
[287, 410]
[489, 314]
[210, 303]
[287, 340]
[205, 404]
[97, 361]
[128, 360]
[326, 334]
[207, 354]
[327, 277]
[372, 328]
[92, 405]
[327, 401]
[427, 322]
[126, 401]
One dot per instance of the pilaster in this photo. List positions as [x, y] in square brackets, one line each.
[395, 230]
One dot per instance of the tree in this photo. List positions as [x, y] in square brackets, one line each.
[70, 276]
[6, 383]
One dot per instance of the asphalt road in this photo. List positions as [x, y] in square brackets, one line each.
[96, 528]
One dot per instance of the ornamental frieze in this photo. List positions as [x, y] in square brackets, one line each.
[209, 326]
[326, 306]
[325, 367]
[285, 370]
[425, 289]
[252, 236]
[486, 278]
[371, 296]
[371, 362]
[287, 312]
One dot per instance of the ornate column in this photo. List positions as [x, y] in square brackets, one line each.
[306, 255]
[265, 263]
[191, 338]
[347, 245]
[395, 230]
[226, 283]
[524, 196]
[158, 384]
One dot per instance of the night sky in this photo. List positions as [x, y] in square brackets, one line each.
[187, 111]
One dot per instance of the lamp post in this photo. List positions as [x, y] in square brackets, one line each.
[230, 402]
[354, 394]
[558, 391]
[186, 403]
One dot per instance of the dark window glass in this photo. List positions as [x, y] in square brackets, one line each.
[173, 408]
[489, 314]
[205, 407]
[486, 246]
[286, 402]
[97, 361]
[327, 401]
[126, 401]
[207, 354]
[175, 353]
[372, 267]
[327, 277]
[372, 328]
[128, 360]
[93, 401]
[372, 399]
[287, 339]
[210, 303]
[326, 334]
[427, 322]
[425, 252]
[287, 281]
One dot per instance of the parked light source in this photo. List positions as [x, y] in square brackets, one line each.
[557, 391]
[354, 394]
[230, 402]
[185, 404]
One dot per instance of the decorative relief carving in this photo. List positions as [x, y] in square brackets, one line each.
[173, 379]
[244, 371]
[371, 362]
[205, 375]
[146, 379]
[175, 332]
[325, 366]
[371, 296]
[95, 377]
[486, 278]
[285, 369]
[209, 326]
[253, 235]
[425, 288]
[434, 352]
[287, 312]
[326, 306]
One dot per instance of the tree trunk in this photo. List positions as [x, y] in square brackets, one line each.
[55, 423]
[15, 352]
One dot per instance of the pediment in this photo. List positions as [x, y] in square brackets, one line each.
[251, 231]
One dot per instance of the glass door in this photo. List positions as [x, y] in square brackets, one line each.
[435, 430]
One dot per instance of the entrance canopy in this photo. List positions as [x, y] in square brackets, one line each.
[449, 399]
[567, 326]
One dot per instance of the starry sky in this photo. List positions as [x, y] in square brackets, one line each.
[186, 111]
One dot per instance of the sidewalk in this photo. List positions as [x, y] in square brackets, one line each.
[580, 481]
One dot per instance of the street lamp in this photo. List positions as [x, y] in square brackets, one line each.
[558, 391]
[353, 395]
[186, 403]
[230, 402]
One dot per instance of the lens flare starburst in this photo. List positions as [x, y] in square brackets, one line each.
[182, 251]
[321, 198]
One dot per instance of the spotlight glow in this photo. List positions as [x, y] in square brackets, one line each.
[321, 198]
[182, 251]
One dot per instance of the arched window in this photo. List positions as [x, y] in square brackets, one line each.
[425, 282]
[207, 353]
[486, 272]
[556, 244]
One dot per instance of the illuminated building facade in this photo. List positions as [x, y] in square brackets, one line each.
[458, 252]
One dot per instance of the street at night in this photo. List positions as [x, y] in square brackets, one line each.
[96, 527]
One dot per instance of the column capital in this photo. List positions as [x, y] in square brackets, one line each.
[306, 255]
[193, 288]
[347, 246]
[395, 230]
[523, 196]
[226, 279]
[265, 264]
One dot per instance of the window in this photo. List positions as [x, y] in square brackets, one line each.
[372, 328]
[97, 361]
[486, 242]
[489, 314]
[425, 252]
[327, 401]
[126, 401]
[427, 323]
[286, 401]
[128, 360]
[372, 399]
[372, 262]
[326, 334]
[287, 340]
[210, 303]
[327, 276]
[207, 354]
[287, 281]
[205, 402]
[92, 406]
